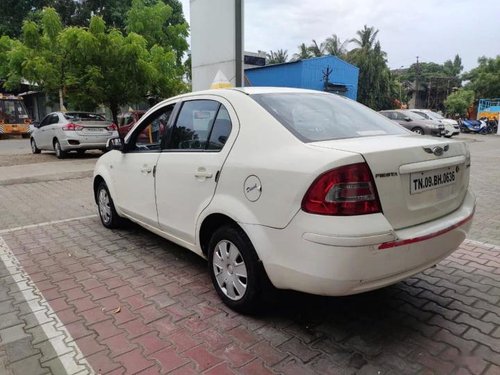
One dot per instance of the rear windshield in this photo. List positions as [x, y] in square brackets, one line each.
[83, 116]
[320, 117]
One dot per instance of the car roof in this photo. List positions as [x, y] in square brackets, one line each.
[254, 90]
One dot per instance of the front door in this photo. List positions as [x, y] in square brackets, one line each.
[133, 171]
[188, 168]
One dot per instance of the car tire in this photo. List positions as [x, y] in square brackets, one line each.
[34, 148]
[418, 130]
[107, 212]
[60, 154]
[230, 251]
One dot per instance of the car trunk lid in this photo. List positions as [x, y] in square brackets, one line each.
[418, 178]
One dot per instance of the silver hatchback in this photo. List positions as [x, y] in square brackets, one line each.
[72, 131]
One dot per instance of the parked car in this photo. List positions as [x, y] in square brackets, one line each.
[127, 120]
[71, 131]
[414, 122]
[289, 188]
[451, 127]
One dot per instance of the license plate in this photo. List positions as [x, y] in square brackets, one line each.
[429, 180]
[94, 130]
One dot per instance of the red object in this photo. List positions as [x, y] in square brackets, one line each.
[127, 121]
[388, 245]
[72, 127]
[344, 191]
[112, 127]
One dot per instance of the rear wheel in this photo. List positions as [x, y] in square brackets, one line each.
[107, 212]
[235, 270]
[418, 131]
[34, 148]
[59, 152]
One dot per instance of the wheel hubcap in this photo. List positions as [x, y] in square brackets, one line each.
[230, 270]
[104, 205]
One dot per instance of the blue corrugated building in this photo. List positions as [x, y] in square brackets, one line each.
[308, 74]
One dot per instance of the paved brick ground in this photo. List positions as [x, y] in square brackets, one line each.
[135, 303]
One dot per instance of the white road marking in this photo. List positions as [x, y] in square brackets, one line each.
[9, 230]
[70, 355]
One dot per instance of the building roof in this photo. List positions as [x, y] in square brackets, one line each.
[326, 57]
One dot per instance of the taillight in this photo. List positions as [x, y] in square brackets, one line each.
[72, 127]
[112, 127]
[343, 191]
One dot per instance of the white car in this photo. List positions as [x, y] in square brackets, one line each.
[308, 190]
[71, 131]
[451, 127]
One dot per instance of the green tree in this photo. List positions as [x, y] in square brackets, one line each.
[334, 46]
[90, 66]
[278, 57]
[376, 86]
[157, 22]
[485, 79]
[303, 53]
[315, 49]
[459, 101]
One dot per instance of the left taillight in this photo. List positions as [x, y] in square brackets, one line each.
[72, 127]
[344, 191]
[112, 127]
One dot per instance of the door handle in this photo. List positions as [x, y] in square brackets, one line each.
[203, 173]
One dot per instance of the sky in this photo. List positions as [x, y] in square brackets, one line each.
[433, 30]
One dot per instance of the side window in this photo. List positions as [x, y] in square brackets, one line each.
[192, 129]
[220, 130]
[400, 116]
[54, 119]
[49, 119]
[148, 135]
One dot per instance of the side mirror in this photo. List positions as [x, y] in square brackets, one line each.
[115, 143]
[407, 119]
[36, 124]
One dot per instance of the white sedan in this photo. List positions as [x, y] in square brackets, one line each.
[308, 190]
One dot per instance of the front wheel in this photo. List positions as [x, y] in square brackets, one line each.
[107, 212]
[34, 148]
[418, 131]
[235, 270]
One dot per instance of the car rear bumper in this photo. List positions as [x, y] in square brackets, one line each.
[296, 258]
[90, 142]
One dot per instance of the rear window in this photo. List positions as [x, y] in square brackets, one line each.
[320, 117]
[82, 116]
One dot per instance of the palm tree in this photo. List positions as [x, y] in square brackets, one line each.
[316, 50]
[303, 53]
[334, 46]
[278, 57]
[367, 37]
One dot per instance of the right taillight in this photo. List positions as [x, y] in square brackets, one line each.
[344, 191]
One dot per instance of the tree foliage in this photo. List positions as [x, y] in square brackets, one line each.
[485, 79]
[376, 87]
[459, 101]
[278, 57]
[90, 66]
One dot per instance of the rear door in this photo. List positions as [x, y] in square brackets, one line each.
[418, 178]
[188, 169]
[45, 132]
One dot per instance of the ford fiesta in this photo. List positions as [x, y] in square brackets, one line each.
[308, 190]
